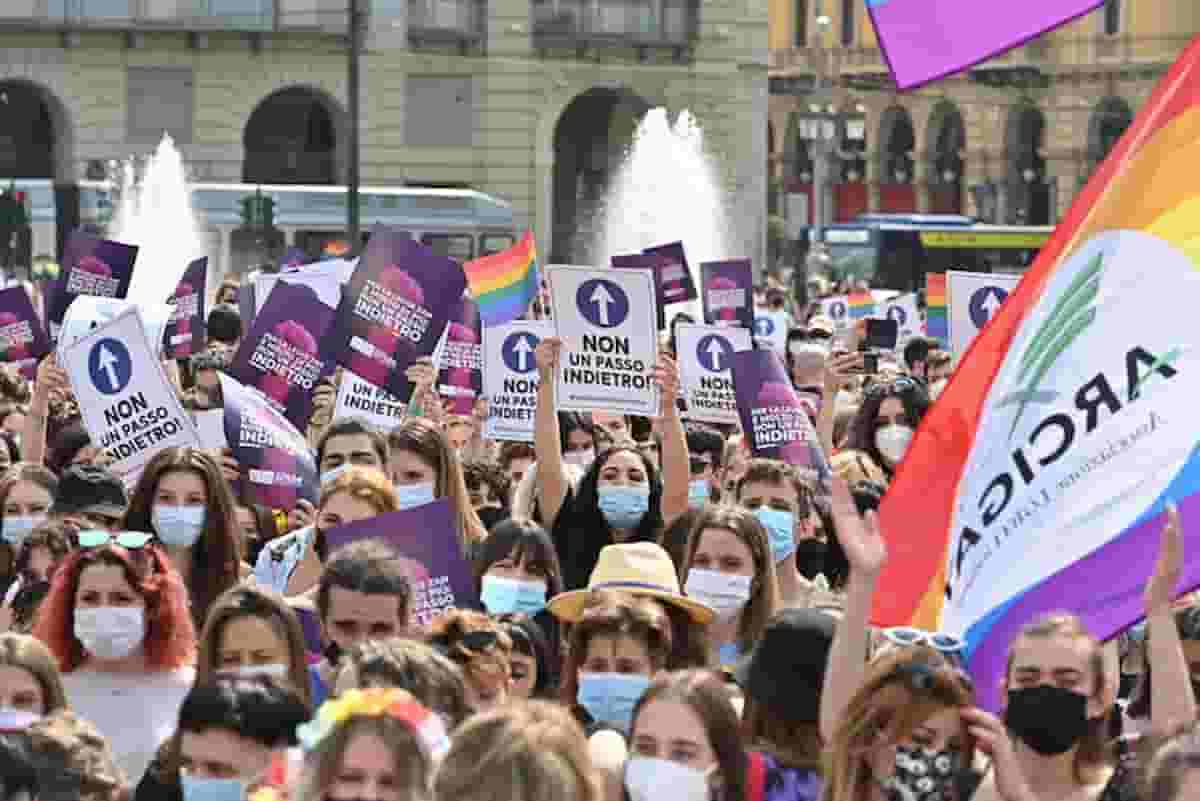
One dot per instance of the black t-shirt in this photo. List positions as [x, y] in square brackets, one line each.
[578, 538]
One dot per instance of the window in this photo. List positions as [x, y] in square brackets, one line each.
[848, 9]
[159, 99]
[494, 243]
[801, 23]
[456, 246]
[1112, 17]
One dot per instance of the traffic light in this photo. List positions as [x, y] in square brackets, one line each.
[258, 211]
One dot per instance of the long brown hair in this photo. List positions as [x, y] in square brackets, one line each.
[424, 438]
[902, 690]
[764, 591]
[216, 554]
[1092, 755]
[34, 474]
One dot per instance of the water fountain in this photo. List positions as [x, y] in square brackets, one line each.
[666, 189]
[155, 213]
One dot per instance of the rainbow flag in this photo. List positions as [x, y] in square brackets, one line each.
[862, 304]
[1039, 480]
[504, 284]
[937, 325]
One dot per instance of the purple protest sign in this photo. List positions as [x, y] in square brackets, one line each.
[653, 264]
[774, 419]
[675, 281]
[23, 339]
[185, 332]
[394, 309]
[277, 466]
[281, 354]
[923, 40]
[426, 539]
[460, 377]
[92, 266]
[726, 289]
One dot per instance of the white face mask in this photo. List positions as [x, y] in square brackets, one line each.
[582, 459]
[110, 632]
[12, 719]
[650, 779]
[726, 593]
[892, 441]
[273, 670]
[177, 526]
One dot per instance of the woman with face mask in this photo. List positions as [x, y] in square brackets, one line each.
[423, 468]
[27, 492]
[183, 500]
[620, 498]
[117, 620]
[882, 429]
[685, 744]
[730, 569]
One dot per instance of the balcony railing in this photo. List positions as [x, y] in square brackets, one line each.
[182, 15]
[446, 20]
[656, 22]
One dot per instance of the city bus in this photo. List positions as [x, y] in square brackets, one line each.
[895, 251]
[460, 223]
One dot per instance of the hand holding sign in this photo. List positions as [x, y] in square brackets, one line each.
[666, 375]
[547, 355]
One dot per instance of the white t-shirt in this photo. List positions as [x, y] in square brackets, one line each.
[135, 712]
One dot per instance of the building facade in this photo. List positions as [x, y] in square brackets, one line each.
[533, 101]
[1011, 141]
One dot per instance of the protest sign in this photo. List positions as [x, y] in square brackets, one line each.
[510, 378]
[185, 332]
[128, 405]
[94, 266]
[930, 39]
[771, 328]
[837, 309]
[605, 319]
[675, 280]
[774, 419]
[974, 300]
[460, 359]
[426, 540]
[705, 354]
[281, 355]
[651, 263]
[1039, 480]
[367, 402]
[904, 310]
[395, 309]
[726, 289]
[324, 278]
[23, 340]
[277, 466]
[210, 426]
[87, 313]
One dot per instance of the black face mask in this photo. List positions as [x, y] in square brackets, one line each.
[810, 557]
[491, 515]
[1050, 720]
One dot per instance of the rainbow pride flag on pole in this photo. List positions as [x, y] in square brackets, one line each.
[862, 304]
[1039, 480]
[504, 284]
[937, 324]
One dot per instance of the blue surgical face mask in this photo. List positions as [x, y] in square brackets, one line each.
[611, 697]
[699, 491]
[17, 527]
[329, 476]
[177, 526]
[410, 495]
[205, 789]
[507, 596]
[623, 507]
[781, 528]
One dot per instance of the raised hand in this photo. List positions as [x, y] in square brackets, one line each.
[547, 354]
[666, 375]
[1161, 588]
[859, 535]
[421, 373]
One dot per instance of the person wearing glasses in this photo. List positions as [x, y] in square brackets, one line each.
[882, 429]
[117, 620]
[482, 648]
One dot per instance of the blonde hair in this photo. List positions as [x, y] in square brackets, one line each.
[70, 747]
[29, 654]
[902, 690]
[533, 749]
[366, 484]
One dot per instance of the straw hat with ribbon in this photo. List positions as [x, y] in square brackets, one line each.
[638, 568]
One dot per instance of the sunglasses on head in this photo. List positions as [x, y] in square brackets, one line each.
[923, 677]
[897, 386]
[130, 540]
[477, 641]
[820, 335]
[910, 638]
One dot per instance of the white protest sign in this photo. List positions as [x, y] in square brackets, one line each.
[771, 327]
[904, 310]
[324, 278]
[210, 426]
[974, 299]
[361, 399]
[88, 312]
[705, 353]
[837, 309]
[510, 377]
[607, 321]
[129, 407]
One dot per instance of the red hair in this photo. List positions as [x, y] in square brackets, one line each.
[170, 636]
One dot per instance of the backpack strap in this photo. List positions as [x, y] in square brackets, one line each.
[756, 777]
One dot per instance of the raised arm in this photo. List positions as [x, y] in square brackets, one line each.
[676, 471]
[51, 379]
[866, 553]
[836, 371]
[547, 445]
[1172, 702]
